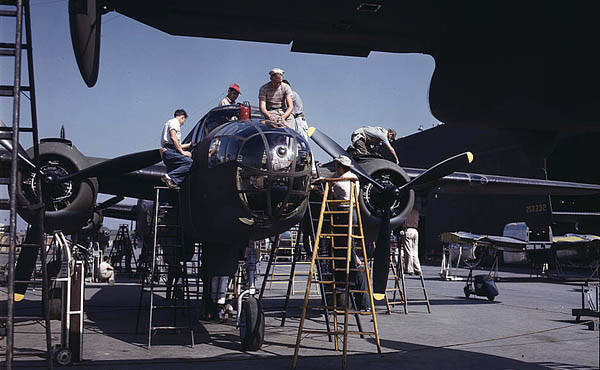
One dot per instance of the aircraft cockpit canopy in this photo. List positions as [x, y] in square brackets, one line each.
[215, 118]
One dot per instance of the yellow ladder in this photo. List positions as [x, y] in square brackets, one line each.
[336, 258]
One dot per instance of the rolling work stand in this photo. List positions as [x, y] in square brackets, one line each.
[168, 274]
[343, 257]
[19, 10]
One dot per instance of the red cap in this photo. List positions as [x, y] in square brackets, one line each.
[236, 87]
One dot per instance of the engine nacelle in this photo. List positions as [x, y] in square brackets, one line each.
[371, 202]
[68, 205]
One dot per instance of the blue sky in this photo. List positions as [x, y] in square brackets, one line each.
[146, 74]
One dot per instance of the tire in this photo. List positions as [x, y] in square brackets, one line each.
[491, 297]
[64, 357]
[467, 292]
[252, 325]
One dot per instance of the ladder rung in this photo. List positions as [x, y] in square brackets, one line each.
[7, 53]
[337, 201]
[353, 312]
[9, 45]
[332, 258]
[170, 327]
[394, 302]
[313, 331]
[21, 129]
[330, 235]
[8, 13]
[7, 90]
[325, 282]
[336, 212]
[360, 332]
[358, 291]
[351, 269]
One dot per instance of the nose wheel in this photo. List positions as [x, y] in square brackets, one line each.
[252, 324]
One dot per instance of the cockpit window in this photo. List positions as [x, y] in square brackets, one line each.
[216, 118]
[274, 174]
[253, 153]
[282, 151]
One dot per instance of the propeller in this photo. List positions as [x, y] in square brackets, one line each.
[390, 193]
[120, 165]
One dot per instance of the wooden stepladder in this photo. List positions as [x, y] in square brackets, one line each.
[340, 258]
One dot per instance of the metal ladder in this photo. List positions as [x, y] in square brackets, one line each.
[165, 273]
[397, 287]
[340, 255]
[400, 269]
[122, 248]
[19, 10]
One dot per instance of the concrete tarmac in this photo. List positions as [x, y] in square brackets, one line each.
[529, 326]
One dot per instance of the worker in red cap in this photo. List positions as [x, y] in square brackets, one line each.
[232, 94]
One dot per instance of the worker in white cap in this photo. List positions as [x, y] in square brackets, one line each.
[341, 191]
[275, 100]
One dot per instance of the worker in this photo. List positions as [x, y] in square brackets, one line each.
[367, 140]
[298, 112]
[106, 271]
[232, 94]
[274, 97]
[410, 244]
[176, 158]
[341, 191]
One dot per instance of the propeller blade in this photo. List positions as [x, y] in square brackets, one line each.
[335, 150]
[26, 260]
[440, 170]
[109, 203]
[381, 258]
[120, 165]
[22, 154]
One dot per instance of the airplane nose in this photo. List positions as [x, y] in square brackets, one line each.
[274, 174]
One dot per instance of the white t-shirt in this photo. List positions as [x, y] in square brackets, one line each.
[172, 124]
[226, 101]
[104, 268]
[341, 189]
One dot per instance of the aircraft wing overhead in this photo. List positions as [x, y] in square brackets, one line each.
[497, 64]
[472, 183]
[121, 211]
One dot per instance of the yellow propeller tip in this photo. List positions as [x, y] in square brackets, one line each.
[310, 131]
[378, 296]
[470, 157]
[19, 297]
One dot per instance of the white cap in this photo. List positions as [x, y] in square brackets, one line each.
[276, 70]
[344, 161]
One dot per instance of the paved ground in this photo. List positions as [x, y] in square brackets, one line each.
[529, 326]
